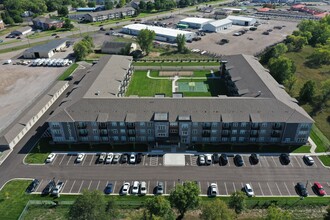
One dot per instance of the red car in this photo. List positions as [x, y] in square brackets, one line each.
[319, 189]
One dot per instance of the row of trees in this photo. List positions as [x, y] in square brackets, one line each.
[158, 5]
[83, 48]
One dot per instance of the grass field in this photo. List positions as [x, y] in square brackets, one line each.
[42, 149]
[320, 140]
[68, 72]
[22, 47]
[325, 160]
[215, 87]
[176, 64]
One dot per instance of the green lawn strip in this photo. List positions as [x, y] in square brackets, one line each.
[177, 64]
[320, 140]
[303, 149]
[68, 71]
[42, 149]
[45, 212]
[325, 159]
[22, 47]
[141, 85]
[9, 42]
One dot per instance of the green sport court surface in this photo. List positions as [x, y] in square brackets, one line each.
[192, 87]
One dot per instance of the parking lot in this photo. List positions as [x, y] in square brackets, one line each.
[229, 177]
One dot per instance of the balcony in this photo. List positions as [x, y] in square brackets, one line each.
[83, 133]
[254, 134]
[82, 126]
[277, 126]
[226, 126]
[225, 133]
[131, 133]
[275, 134]
[103, 133]
[103, 126]
[255, 127]
[206, 134]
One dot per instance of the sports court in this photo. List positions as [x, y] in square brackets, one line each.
[192, 87]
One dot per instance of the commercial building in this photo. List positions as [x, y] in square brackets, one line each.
[218, 25]
[21, 31]
[196, 23]
[46, 23]
[109, 14]
[162, 34]
[45, 50]
[243, 21]
[257, 110]
[110, 47]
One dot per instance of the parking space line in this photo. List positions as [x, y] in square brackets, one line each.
[39, 185]
[278, 188]
[90, 183]
[260, 189]
[80, 186]
[297, 161]
[90, 163]
[234, 187]
[72, 186]
[267, 164]
[165, 187]
[190, 160]
[291, 164]
[270, 189]
[68, 160]
[143, 160]
[84, 160]
[274, 161]
[98, 184]
[200, 187]
[287, 188]
[148, 186]
[64, 185]
[228, 162]
[226, 188]
[56, 155]
[114, 186]
[62, 159]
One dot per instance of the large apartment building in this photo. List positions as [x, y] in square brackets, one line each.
[257, 110]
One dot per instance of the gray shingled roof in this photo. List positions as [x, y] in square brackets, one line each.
[273, 105]
[107, 12]
[48, 46]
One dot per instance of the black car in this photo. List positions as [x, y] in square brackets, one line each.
[285, 159]
[223, 159]
[301, 190]
[124, 158]
[254, 158]
[49, 188]
[216, 158]
[238, 160]
[139, 158]
[33, 186]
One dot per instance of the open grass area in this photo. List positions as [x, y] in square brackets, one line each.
[68, 71]
[43, 148]
[174, 63]
[320, 140]
[8, 29]
[45, 212]
[303, 149]
[215, 87]
[325, 160]
[141, 85]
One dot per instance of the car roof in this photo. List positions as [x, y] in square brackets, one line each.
[318, 184]
[248, 186]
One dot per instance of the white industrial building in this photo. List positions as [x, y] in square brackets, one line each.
[196, 23]
[22, 31]
[243, 21]
[162, 34]
[218, 25]
[45, 50]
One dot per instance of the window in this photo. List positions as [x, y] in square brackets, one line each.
[235, 124]
[115, 131]
[224, 139]
[173, 124]
[184, 126]
[264, 125]
[261, 139]
[142, 138]
[241, 139]
[94, 124]
[122, 131]
[243, 124]
[214, 124]
[213, 139]
[184, 133]
[263, 132]
[214, 131]
[194, 139]
[234, 132]
[142, 131]
[184, 140]
[206, 139]
[194, 131]
[149, 131]
[161, 127]
[95, 131]
[233, 139]
[96, 138]
[149, 124]
[113, 124]
[142, 124]
[195, 124]
[123, 138]
[242, 132]
[115, 138]
[122, 124]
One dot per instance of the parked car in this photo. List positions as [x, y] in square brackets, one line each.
[143, 188]
[216, 158]
[102, 157]
[238, 160]
[201, 160]
[7, 62]
[108, 188]
[208, 159]
[109, 158]
[319, 189]
[254, 158]
[160, 188]
[308, 160]
[57, 189]
[213, 189]
[265, 33]
[50, 158]
[284, 159]
[116, 158]
[248, 190]
[49, 188]
[139, 158]
[223, 159]
[301, 190]
[124, 158]
[125, 189]
[132, 158]
[80, 157]
[33, 186]
[135, 187]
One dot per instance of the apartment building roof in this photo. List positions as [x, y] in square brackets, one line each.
[112, 11]
[264, 100]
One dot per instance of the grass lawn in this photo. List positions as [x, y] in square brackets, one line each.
[45, 212]
[49, 33]
[215, 87]
[325, 159]
[68, 71]
[142, 86]
[42, 149]
[303, 149]
[320, 140]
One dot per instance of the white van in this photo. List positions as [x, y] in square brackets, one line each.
[7, 62]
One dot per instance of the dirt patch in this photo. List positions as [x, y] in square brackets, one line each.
[176, 73]
[154, 54]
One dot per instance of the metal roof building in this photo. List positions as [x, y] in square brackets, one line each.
[218, 25]
[162, 34]
[45, 50]
[241, 20]
[196, 23]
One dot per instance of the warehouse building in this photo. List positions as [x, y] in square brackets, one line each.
[243, 21]
[218, 25]
[258, 111]
[45, 50]
[162, 34]
[21, 31]
[196, 23]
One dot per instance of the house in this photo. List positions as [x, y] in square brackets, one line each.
[46, 23]
[45, 50]
[218, 25]
[109, 14]
[2, 24]
[123, 48]
[21, 31]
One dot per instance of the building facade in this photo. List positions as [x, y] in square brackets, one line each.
[45, 50]
[245, 116]
[241, 20]
[196, 23]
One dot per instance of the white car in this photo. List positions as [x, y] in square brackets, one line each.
[116, 158]
[57, 188]
[201, 160]
[125, 188]
[208, 159]
[102, 157]
[80, 157]
[132, 158]
[143, 188]
[50, 157]
[248, 189]
[308, 160]
[109, 158]
[135, 187]
[8, 62]
[213, 189]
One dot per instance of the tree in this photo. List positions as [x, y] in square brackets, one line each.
[150, 6]
[91, 4]
[90, 205]
[67, 24]
[327, 214]
[281, 68]
[321, 54]
[63, 11]
[275, 213]
[83, 48]
[307, 92]
[181, 41]
[111, 208]
[237, 201]
[217, 210]
[273, 52]
[145, 39]
[185, 197]
[143, 5]
[296, 43]
[158, 206]
[121, 3]
[108, 5]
